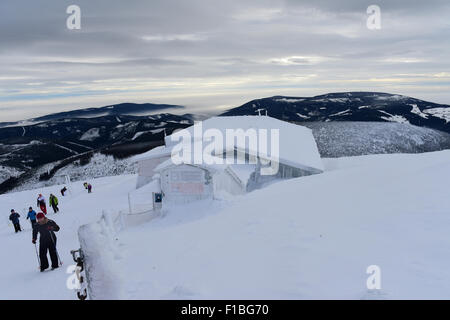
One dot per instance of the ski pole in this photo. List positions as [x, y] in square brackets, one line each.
[37, 255]
[57, 254]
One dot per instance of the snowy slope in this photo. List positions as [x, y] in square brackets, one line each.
[99, 165]
[311, 237]
[345, 139]
[7, 172]
[20, 274]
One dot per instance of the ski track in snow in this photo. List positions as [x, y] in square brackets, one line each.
[340, 113]
[80, 145]
[65, 148]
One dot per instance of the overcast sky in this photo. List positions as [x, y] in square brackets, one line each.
[211, 55]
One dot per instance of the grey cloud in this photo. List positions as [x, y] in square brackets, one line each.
[168, 46]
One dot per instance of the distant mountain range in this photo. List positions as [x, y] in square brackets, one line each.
[60, 142]
[344, 124]
[351, 106]
[135, 109]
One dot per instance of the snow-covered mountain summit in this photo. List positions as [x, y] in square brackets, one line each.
[351, 106]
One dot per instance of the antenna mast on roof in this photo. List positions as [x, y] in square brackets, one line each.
[259, 112]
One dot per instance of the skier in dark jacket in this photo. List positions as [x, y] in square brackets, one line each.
[53, 201]
[14, 217]
[32, 216]
[63, 191]
[47, 241]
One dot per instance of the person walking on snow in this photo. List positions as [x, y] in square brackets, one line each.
[53, 201]
[32, 216]
[89, 187]
[47, 240]
[14, 217]
[41, 203]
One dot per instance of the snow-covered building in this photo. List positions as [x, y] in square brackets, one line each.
[235, 165]
[187, 182]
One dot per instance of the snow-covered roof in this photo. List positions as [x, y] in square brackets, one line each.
[243, 171]
[157, 152]
[297, 147]
[210, 167]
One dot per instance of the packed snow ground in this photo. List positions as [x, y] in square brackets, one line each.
[311, 237]
[19, 276]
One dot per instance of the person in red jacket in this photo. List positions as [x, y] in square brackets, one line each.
[41, 203]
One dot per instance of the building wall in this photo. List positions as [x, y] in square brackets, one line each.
[185, 183]
[146, 170]
[224, 182]
[257, 180]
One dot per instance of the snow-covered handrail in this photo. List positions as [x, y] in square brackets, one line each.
[98, 243]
